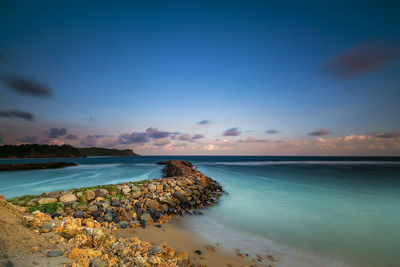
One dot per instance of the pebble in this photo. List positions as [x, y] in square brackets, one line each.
[78, 214]
[124, 224]
[54, 253]
[9, 264]
[115, 203]
[46, 228]
[198, 252]
[97, 262]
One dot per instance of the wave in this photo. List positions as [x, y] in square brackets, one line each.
[262, 163]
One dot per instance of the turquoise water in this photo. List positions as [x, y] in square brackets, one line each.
[321, 211]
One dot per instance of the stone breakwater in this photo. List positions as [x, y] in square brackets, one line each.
[132, 202]
[84, 219]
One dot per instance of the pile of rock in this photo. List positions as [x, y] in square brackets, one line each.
[82, 221]
[86, 242]
[137, 203]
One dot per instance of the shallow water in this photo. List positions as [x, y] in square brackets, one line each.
[321, 211]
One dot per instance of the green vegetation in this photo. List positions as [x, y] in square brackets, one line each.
[54, 151]
[39, 151]
[25, 198]
[98, 151]
[49, 207]
[140, 183]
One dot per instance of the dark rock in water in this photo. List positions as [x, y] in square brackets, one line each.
[54, 253]
[6, 256]
[124, 224]
[97, 262]
[158, 225]
[78, 214]
[9, 264]
[116, 219]
[197, 212]
[143, 223]
[55, 215]
[115, 203]
[138, 204]
[179, 196]
[198, 252]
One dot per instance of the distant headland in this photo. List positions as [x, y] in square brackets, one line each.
[64, 151]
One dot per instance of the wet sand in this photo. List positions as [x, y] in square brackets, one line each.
[182, 240]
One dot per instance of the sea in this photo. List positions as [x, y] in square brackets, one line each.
[306, 211]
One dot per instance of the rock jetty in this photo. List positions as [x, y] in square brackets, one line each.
[84, 219]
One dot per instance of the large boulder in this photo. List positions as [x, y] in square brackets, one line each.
[88, 195]
[181, 197]
[124, 215]
[101, 192]
[69, 197]
[47, 200]
[55, 194]
[152, 188]
[153, 204]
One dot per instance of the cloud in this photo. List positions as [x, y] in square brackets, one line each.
[185, 137]
[133, 138]
[197, 136]
[272, 131]
[57, 132]
[89, 140]
[1, 139]
[155, 133]
[71, 137]
[27, 86]
[28, 139]
[232, 132]
[204, 122]
[388, 135]
[162, 142]
[363, 59]
[91, 118]
[253, 140]
[16, 113]
[319, 132]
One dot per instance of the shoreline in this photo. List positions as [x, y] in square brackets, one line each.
[84, 223]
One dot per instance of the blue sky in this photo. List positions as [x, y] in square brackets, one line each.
[120, 67]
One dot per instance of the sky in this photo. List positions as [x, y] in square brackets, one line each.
[202, 77]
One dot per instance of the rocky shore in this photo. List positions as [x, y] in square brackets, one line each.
[35, 166]
[83, 220]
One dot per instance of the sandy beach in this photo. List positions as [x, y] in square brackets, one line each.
[198, 249]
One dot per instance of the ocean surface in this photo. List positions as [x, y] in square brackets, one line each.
[307, 211]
